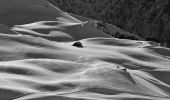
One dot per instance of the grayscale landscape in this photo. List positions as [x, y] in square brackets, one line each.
[49, 54]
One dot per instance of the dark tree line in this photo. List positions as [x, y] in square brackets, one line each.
[149, 19]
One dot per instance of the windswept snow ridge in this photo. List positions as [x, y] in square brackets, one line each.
[46, 54]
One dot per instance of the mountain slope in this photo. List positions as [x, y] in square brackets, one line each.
[149, 19]
[50, 55]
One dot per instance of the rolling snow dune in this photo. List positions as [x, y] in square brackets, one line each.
[39, 62]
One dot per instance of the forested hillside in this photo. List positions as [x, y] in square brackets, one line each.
[149, 19]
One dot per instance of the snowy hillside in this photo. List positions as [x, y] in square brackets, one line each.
[47, 54]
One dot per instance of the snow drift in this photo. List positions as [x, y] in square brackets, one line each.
[39, 62]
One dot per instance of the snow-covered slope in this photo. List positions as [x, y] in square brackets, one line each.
[39, 62]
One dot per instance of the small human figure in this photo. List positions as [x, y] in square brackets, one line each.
[118, 67]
